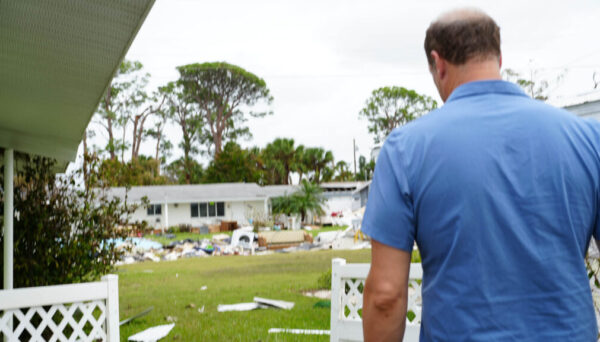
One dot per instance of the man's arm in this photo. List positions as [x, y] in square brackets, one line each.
[385, 294]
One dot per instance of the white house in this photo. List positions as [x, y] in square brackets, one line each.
[203, 204]
[345, 196]
[585, 107]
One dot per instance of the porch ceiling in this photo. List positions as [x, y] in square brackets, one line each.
[56, 60]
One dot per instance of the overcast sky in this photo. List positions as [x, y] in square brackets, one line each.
[321, 59]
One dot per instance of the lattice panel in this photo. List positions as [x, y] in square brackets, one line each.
[84, 321]
[352, 300]
[415, 302]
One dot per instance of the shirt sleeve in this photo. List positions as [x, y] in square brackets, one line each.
[389, 216]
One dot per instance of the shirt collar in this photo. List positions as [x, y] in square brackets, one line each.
[485, 87]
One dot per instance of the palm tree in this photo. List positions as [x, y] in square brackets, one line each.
[342, 170]
[316, 160]
[279, 156]
[299, 163]
[285, 205]
[308, 199]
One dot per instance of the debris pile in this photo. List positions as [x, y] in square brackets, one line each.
[244, 241]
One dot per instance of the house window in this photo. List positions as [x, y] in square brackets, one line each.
[203, 210]
[208, 209]
[154, 209]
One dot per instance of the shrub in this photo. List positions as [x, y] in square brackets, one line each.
[324, 281]
[62, 232]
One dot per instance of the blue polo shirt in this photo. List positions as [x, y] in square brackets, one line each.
[501, 193]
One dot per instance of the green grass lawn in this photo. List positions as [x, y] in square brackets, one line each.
[171, 286]
[182, 236]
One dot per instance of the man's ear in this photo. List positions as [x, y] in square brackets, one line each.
[439, 64]
[500, 61]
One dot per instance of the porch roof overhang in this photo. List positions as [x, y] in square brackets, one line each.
[57, 59]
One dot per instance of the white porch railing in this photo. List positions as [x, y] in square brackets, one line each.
[347, 282]
[76, 312]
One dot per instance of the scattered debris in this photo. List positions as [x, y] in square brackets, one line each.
[141, 314]
[276, 303]
[259, 303]
[190, 306]
[283, 239]
[152, 334]
[203, 288]
[299, 331]
[150, 256]
[244, 241]
[323, 294]
[171, 319]
[244, 236]
[201, 310]
[221, 238]
[240, 307]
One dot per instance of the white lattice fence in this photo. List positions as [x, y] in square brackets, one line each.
[347, 285]
[77, 312]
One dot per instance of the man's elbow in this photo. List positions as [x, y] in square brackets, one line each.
[384, 297]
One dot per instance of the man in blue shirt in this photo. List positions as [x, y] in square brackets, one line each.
[501, 194]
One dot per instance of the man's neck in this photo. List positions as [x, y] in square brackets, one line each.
[472, 71]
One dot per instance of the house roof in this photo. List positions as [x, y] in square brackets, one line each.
[279, 190]
[575, 100]
[58, 57]
[193, 193]
[586, 109]
[343, 186]
[230, 192]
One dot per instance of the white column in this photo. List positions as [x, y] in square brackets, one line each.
[112, 307]
[166, 216]
[8, 217]
[336, 295]
[267, 213]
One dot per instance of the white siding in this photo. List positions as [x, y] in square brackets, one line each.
[181, 213]
[338, 202]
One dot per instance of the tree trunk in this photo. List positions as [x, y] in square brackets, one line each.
[217, 140]
[123, 143]
[134, 140]
[158, 140]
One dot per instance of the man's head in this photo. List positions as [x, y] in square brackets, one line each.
[462, 46]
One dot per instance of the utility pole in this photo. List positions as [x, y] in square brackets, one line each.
[354, 151]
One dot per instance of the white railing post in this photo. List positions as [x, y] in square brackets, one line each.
[336, 287]
[8, 224]
[8, 217]
[112, 308]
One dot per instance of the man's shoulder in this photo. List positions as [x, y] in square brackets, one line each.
[446, 119]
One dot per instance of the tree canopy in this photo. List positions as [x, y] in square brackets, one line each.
[533, 85]
[391, 107]
[223, 92]
[235, 164]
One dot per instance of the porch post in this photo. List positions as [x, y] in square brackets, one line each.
[166, 225]
[8, 217]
